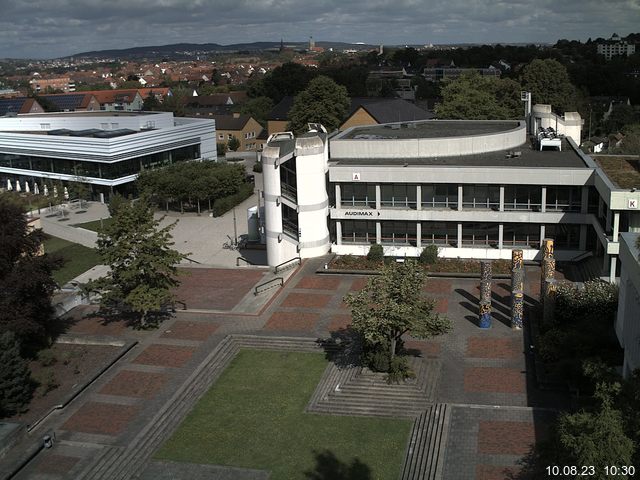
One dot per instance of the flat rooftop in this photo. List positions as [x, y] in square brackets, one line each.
[429, 129]
[100, 113]
[529, 157]
[623, 171]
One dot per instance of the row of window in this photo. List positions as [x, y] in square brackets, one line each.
[446, 234]
[443, 196]
[96, 169]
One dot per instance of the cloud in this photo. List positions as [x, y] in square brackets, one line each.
[49, 28]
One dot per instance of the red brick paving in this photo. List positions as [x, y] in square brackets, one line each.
[442, 305]
[339, 322]
[507, 348]
[185, 330]
[130, 383]
[492, 472]
[494, 380]
[82, 321]
[510, 438]
[427, 349]
[307, 300]
[319, 283]
[215, 288]
[437, 286]
[359, 283]
[101, 418]
[56, 464]
[165, 355]
[292, 321]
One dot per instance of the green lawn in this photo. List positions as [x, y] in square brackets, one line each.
[94, 225]
[78, 258]
[253, 417]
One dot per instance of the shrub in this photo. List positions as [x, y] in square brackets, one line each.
[399, 370]
[257, 167]
[597, 301]
[46, 358]
[221, 148]
[15, 378]
[224, 204]
[429, 255]
[376, 253]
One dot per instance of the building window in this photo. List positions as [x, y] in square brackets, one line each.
[565, 236]
[480, 234]
[401, 195]
[439, 196]
[486, 197]
[220, 137]
[522, 197]
[358, 195]
[358, 231]
[229, 136]
[564, 199]
[398, 233]
[45, 126]
[439, 233]
[289, 180]
[104, 126]
[290, 221]
[521, 235]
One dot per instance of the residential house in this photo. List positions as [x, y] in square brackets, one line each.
[243, 127]
[118, 100]
[14, 106]
[73, 102]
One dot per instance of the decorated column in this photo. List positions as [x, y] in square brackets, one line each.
[517, 287]
[549, 304]
[485, 281]
[517, 309]
[484, 316]
[548, 265]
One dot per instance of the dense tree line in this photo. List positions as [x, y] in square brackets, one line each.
[192, 183]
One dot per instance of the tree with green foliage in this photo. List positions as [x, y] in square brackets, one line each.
[286, 80]
[233, 144]
[16, 386]
[594, 438]
[549, 83]
[26, 280]
[631, 141]
[151, 103]
[142, 264]
[476, 97]
[393, 304]
[323, 101]
[258, 108]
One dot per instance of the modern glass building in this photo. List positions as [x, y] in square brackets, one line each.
[106, 150]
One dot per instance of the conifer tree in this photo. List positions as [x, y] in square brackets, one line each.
[15, 378]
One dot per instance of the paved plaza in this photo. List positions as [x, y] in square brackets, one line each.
[485, 376]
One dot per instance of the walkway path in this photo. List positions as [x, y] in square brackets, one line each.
[488, 410]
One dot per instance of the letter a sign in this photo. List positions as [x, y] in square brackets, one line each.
[355, 176]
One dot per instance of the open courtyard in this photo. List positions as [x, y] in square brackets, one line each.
[237, 387]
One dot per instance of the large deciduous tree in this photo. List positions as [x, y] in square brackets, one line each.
[16, 386]
[26, 281]
[393, 304]
[143, 266]
[323, 101]
[475, 97]
[549, 83]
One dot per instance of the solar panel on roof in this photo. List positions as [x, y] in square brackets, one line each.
[11, 105]
[65, 102]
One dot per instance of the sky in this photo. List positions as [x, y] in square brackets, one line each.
[55, 28]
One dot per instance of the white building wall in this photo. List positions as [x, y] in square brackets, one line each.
[570, 125]
[313, 202]
[627, 324]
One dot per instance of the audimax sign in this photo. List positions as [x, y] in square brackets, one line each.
[361, 213]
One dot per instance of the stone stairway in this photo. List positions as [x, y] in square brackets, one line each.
[425, 452]
[359, 391]
[118, 463]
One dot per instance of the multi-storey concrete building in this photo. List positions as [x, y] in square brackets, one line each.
[615, 46]
[476, 189]
[104, 149]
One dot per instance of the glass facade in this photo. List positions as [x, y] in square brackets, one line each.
[358, 195]
[439, 196]
[521, 235]
[98, 169]
[288, 180]
[481, 234]
[565, 236]
[523, 197]
[481, 197]
[564, 199]
[289, 221]
[439, 233]
[398, 233]
[400, 195]
[358, 231]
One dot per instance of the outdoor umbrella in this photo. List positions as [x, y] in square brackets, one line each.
[36, 190]
[46, 190]
[55, 192]
[18, 187]
[9, 185]
[66, 193]
[26, 187]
